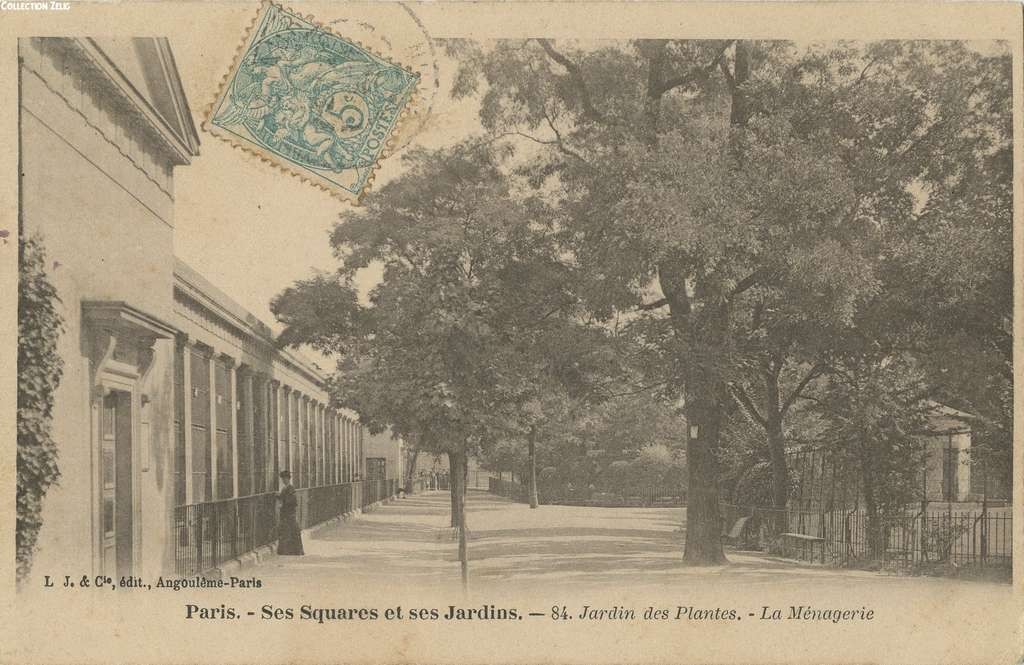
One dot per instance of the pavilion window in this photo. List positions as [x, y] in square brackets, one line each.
[314, 462]
[317, 443]
[273, 466]
[305, 441]
[261, 414]
[224, 406]
[344, 450]
[202, 480]
[293, 431]
[333, 448]
[283, 459]
[321, 471]
[180, 472]
[245, 427]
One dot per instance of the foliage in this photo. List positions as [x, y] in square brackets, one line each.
[40, 367]
[876, 415]
[747, 198]
[470, 338]
[753, 224]
[615, 446]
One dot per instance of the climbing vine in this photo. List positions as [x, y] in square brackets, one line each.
[39, 372]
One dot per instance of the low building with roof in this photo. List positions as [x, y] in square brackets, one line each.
[177, 410]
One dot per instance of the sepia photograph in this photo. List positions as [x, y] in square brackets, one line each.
[347, 332]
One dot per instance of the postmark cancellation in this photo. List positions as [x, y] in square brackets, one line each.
[311, 101]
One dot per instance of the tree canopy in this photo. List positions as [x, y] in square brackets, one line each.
[744, 196]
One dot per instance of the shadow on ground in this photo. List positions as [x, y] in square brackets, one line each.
[409, 541]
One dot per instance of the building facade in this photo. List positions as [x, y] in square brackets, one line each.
[176, 410]
[948, 474]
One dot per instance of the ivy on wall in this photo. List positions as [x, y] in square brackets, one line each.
[39, 372]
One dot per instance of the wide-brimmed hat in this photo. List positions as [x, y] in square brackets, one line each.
[285, 475]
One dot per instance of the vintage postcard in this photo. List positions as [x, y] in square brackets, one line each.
[584, 332]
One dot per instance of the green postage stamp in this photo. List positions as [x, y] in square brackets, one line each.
[311, 101]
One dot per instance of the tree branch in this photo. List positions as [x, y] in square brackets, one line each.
[641, 389]
[657, 304]
[727, 74]
[555, 143]
[815, 372]
[695, 74]
[743, 399]
[576, 74]
[748, 282]
[560, 142]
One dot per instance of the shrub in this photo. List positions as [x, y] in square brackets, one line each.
[39, 371]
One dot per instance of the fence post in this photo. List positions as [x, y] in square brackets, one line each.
[984, 528]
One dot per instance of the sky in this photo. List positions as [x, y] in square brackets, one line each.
[253, 230]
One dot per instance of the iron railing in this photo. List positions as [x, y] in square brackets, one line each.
[210, 533]
[915, 538]
[646, 496]
[508, 489]
[207, 534]
[319, 504]
[378, 490]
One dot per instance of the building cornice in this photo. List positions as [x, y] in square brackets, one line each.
[180, 147]
[229, 314]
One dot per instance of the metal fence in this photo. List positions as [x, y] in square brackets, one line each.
[508, 489]
[378, 490]
[208, 534]
[914, 539]
[636, 497]
[319, 504]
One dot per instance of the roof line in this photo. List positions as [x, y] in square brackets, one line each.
[235, 314]
[169, 135]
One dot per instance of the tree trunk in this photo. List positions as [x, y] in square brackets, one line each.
[454, 489]
[703, 521]
[463, 548]
[705, 394]
[707, 326]
[873, 528]
[534, 500]
[460, 471]
[739, 111]
[776, 441]
[780, 470]
[705, 391]
[410, 472]
[779, 520]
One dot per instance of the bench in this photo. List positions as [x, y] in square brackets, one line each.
[805, 544]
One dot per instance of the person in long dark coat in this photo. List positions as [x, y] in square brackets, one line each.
[289, 537]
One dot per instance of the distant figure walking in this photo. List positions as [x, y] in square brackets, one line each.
[289, 538]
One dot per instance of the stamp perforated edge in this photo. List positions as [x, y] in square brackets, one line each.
[283, 166]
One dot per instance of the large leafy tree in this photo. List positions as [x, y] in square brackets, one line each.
[750, 187]
[471, 326]
[952, 266]
[939, 323]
